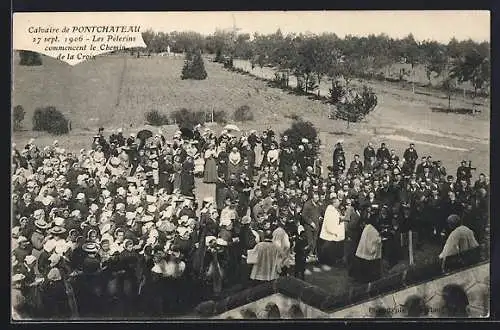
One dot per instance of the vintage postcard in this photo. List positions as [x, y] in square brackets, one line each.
[250, 165]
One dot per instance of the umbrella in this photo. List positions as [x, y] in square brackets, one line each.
[186, 133]
[144, 135]
[232, 127]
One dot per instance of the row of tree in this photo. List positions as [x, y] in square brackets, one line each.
[316, 57]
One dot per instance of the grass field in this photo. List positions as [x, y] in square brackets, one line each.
[116, 92]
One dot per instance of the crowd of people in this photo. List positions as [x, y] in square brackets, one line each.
[121, 229]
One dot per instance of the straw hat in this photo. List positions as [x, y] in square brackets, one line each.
[29, 259]
[18, 278]
[208, 199]
[221, 242]
[41, 224]
[57, 230]
[246, 219]
[115, 161]
[59, 222]
[90, 247]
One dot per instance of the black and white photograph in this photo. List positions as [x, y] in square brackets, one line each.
[250, 165]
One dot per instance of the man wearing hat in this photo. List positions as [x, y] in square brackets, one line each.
[410, 157]
[464, 172]
[338, 159]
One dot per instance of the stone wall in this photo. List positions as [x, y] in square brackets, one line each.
[474, 282]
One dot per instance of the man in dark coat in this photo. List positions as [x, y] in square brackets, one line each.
[420, 167]
[338, 159]
[312, 217]
[249, 154]
[286, 162]
[356, 167]
[411, 156]
[383, 153]
[464, 172]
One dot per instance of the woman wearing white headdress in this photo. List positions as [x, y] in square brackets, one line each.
[235, 163]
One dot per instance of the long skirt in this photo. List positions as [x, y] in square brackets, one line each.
[234, 169]
[365, 271]
[350, 246]
[331, 252]
[210, 172]
[177, 181]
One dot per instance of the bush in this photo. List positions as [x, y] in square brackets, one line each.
[220, 117]
[18, 116]
[228, 63]
[357, 105]
[218, 56]
[303, 129]
[280, 80]
[29, 58]
[185, 118]
[194, 67]
[312, 84]
[243, 113]
[337, 92]
[50, 120]
[156, 118]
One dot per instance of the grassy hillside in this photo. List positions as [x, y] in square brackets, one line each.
[114, 91]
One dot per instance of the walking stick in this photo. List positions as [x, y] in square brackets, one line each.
[410, 246]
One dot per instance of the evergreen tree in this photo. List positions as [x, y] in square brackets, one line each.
[194, 67]
[29, 58]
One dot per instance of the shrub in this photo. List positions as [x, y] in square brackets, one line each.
[243, 113]
[280, 80]
[356, 105]
[194, 67]
[188, 119]
[50, 120]
[337, 92]
[303, 129]
[312, 84]
[18, 116]
[220, 117]
[218, 56]
[29, 58]
[228, 63]
[156, 118]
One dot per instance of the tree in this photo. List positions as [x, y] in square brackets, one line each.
[29, 58]
[410, 51]
[449, 85]
[355, 106]
[473, 67]
[303, 129]
[194, 67]
[50, 120]
[188, 119]
[434, 57]
[18, 116]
